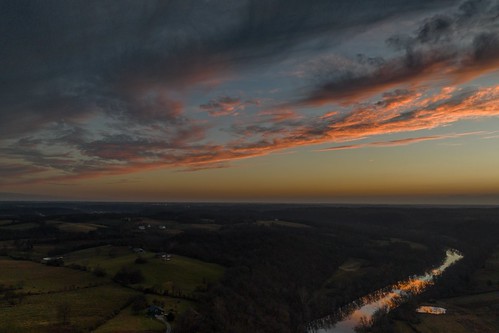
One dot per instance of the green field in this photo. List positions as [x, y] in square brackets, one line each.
[90, 300]
[181, 273]
[88, 308]
[125, 321]
[93, 302]
[37, 278]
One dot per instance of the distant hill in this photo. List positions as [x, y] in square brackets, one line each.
[7, 196]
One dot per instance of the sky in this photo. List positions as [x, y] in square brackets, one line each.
[366, 101]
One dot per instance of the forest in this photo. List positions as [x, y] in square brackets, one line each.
[262, 268]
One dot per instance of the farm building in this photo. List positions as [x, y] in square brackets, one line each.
[53, 261]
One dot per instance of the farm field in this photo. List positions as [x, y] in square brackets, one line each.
[179, 274]
[126, 321]
[87, 308]
[31, 277]
[95, 302]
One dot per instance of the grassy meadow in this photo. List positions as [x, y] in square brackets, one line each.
[32, 277]
[180, 273]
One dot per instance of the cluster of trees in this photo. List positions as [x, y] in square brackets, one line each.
[276, 275]
[129, 275]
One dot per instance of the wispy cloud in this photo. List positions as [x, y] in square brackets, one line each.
[456, 47]
[400, 142]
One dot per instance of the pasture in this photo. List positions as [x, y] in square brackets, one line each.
[180, 274]
[33, 277]
[87, 308]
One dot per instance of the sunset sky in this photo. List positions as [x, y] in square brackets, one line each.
[367, 101]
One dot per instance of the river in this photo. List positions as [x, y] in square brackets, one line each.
[361, 311]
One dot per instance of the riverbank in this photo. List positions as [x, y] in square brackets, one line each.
[474, 310]
[385, 300]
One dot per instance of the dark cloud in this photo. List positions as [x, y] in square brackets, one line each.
[351, 87]
[99, 87]
[226, 105]
[458, 46]
[486, 46]
[163, 41]
[434, 29]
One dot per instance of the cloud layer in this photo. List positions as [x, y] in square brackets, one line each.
[98, 88]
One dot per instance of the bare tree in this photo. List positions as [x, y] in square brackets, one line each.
[64, 313]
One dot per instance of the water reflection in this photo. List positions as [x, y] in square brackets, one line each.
[360, 311]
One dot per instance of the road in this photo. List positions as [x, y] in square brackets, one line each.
[168, 326]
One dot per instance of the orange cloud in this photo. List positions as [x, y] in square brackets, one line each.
[401, 142]
[392, 114]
